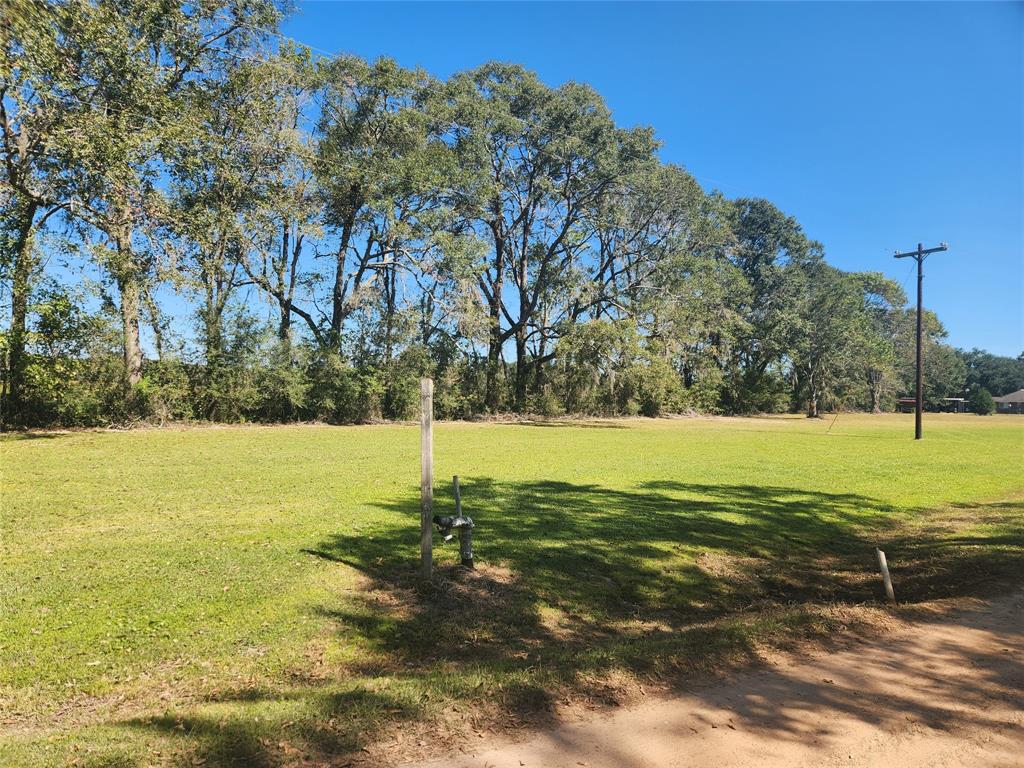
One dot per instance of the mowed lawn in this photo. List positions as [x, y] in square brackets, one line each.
[247, 596]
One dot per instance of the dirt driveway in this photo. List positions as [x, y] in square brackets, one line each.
[946, 691]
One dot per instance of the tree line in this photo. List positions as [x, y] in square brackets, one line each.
[201, 219]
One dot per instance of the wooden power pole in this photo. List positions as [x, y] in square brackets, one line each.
[919, 255]
[426, 477]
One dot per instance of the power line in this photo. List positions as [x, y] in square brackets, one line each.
[903, 285]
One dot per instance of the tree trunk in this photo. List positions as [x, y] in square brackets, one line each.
[213, 335]
[875, 390]
[522, 368]
[812, 399]
[492, 397]
[128, 285]
[390, 308]
[338, 295]
[284, 325]
[541, 381]
[213, 339]
[155, 324]
[20, 289]
[389, 288]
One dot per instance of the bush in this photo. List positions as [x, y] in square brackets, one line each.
[592, 374]
[282, 383]
[982, 403]
[704, 394]
[73, 370]
[458, 388]
[756, 392]
[341, 394]
[166, 392]
[545, 403]
[402, 392]
[656, 387]
[72, 392]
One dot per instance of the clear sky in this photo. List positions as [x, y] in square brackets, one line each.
[877, 125]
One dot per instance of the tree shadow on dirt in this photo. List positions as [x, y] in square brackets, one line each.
[944, 681]
[954, 676]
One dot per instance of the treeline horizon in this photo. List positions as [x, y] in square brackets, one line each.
[333, 229]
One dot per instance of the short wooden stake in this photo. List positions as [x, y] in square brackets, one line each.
[426, 477]
[885, 576]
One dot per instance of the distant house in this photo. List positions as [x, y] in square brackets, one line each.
[949, 404]
[1011, 403]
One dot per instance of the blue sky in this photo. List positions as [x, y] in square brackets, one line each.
[877, 125]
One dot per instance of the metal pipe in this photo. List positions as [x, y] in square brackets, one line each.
[465, 531]
[883, 566]
[466, 546]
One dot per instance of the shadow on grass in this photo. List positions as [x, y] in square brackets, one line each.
[609, 423]
[568, 562]
[16, 436]
[579, 581]
[263, 742]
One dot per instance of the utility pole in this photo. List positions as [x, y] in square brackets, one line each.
[920, 255]
[426, 478]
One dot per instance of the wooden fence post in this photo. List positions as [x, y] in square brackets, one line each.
[426, 477]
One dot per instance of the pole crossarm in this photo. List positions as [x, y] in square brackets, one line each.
[921, 252]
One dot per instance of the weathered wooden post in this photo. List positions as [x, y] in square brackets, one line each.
[426, 477]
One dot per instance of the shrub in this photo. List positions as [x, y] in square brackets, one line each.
[982, 403]
[458, 388]
[341, 394]
[282, 384]
[166, 392]
[401, 398]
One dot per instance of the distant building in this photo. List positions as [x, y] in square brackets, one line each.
[949, 405]
[1011, 403]
[954, 404]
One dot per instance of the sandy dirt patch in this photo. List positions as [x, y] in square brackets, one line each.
[946, 691]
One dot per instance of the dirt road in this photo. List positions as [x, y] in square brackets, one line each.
[948, 691]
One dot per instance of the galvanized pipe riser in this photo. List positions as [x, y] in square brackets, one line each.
[466, 546]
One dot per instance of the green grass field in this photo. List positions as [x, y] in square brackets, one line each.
[247, 596]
